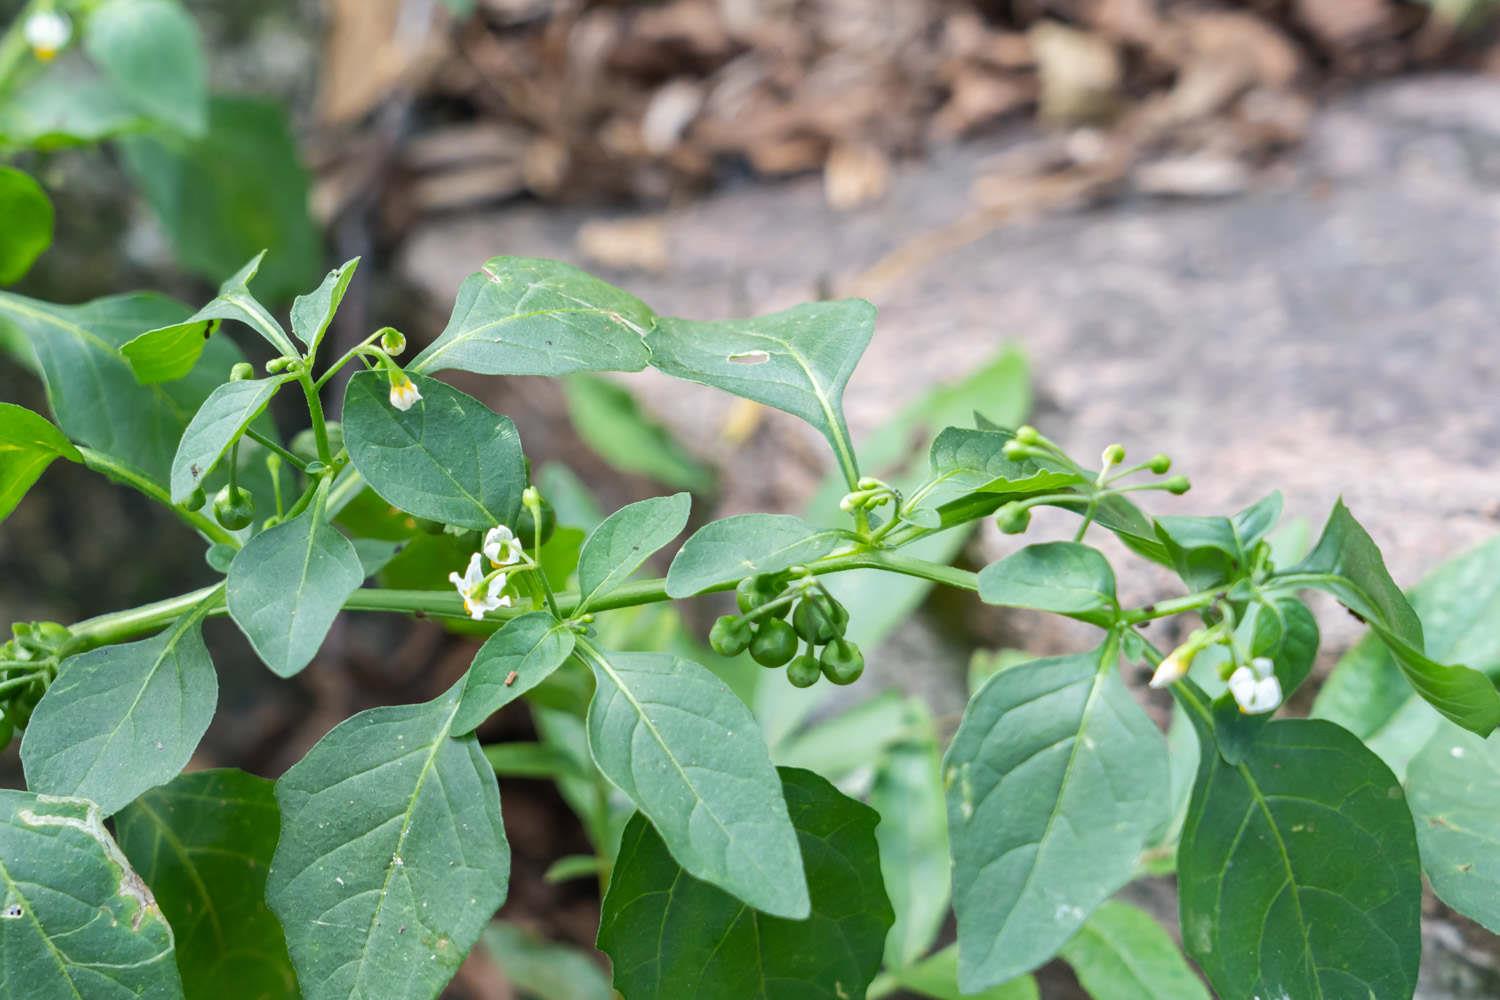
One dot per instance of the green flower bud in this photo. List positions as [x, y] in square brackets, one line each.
[1177, 485]
[842, 662]
[315, 468]
[276, 365]
[1028, 435]
[774, 643]
[1159, 464]
[730, 635]
[1013, 518]
[1113, 455]
[526, 523]
[234, 507]
[392, 341]
[241, 371]
[804, 671]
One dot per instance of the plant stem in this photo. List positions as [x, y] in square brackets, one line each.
[108, 467]
[315, 411]
[120, 625]
[270, 445]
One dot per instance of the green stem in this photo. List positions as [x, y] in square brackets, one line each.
[348, 356]
[118, 626]
[315, 411]
[1175, 606]
[270, 445]
[108, 467]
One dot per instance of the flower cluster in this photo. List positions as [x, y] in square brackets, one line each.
[483, 591]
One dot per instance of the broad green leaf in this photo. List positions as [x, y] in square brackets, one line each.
[287, 585]
[1453, 786]
[1297, 870]
[936, 976]
[169, 352]
[854, 739]
[28, 444]
[544, 969]
[688, 753]
[1055, 783]
[973, 461]
[76, 921]
[1367, 694]
[913, 836]
[203, 843]
[27, 212]
[1066, 578]
[121, 719]
[798, 360]
[1120, 953]
[625, 540]
[311, 313]
[1207, 551]
[449, 458]
[223, 418]
[57, 110]
[744, 545]
[611, 422]
[94, 397]
[529, 316]
[704, 943]
[1347, 564]
[150, 51]
[230, 193]
[392, 856]
[511, 662]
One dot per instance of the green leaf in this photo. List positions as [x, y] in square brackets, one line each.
[973, 461]
[27, 212]
[449, 458]
[288, 584]
[1367, 694]
[311, 313]
[169, 352]
[121, 719]
[850, 741]
[28, 444]
[543, 969]
[688, 753]
[913, 836]
[798, 360]
[936, 976]
[76, 921]
[150, 51]
[529, 316]
[611, 422]
[392, 856]
[1282, 629]
[1453, 786]
[1055, 783]
[93, 395]
[1347, 564]
[1066, 578]
[1121, 953]
[58, 110]
[744, 545]
[530, 760]
[706, 944]
[511, 662]
[228, 194]
[625, 540]
[219, 422]
[1297, 870]
[203, 843]
[1208, 551]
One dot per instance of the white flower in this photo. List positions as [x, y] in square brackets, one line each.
[403, 392]
[501, 547]
[1173, 669]
[47, 32]
[1255, 687]
[480, 597]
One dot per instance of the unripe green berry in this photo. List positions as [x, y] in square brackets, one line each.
[1013, 518]
[730, 635]
[195, 500]
[234, 507]
[1177, 485]
[842, 662]
[1159, 464]
[241, 371]
[774, 643]
[753, 591]
[804, 671]
[814, 619]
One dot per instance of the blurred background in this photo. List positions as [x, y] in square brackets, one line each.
[1260, 236]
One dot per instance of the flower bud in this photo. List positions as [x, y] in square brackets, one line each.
[1113, 455]
[276, 365]
[392, 341]
[1028, 435]
[1177, 485]
[530, 498]
[1159, 464]
[1175, 667]
[1013, 518]
[48, 32]
[404, 394]
[241, 371]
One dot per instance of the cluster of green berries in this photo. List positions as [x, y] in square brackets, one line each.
[816, 619]
[31, 657]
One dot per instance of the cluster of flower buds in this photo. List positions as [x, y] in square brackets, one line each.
[817, 619]
[868, 494]
[28, 662]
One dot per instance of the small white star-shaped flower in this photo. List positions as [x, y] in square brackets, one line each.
[1255, 687]
[480, 595]
[48, 32]
[404, 392]
[502, 547]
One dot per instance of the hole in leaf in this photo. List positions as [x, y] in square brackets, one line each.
[749, 357]
[12, 912]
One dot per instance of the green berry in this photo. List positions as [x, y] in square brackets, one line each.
[730, 635]
[842, 662]
[815, 620]
[526, 525]
[195, 500]
[775, 642]
[1013, 518]
[754, 591]
[803, 671]
[234, 507]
